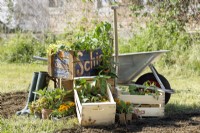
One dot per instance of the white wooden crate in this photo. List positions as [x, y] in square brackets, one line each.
[99, 113]
[154, 107]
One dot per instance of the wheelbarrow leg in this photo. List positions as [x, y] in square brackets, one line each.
[155, 73]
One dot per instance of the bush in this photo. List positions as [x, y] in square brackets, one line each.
[21, 48]
[166, 30]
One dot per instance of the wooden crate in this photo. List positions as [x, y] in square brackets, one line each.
[94, 114]
[145, 105]
[67, 84]
[64, 64]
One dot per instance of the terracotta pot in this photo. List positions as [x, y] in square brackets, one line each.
[129, 118]
[46, 113]
[122, 119]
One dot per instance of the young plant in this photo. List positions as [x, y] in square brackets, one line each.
[93, 92]
[123, 107]
[51, 99]
[148, 88]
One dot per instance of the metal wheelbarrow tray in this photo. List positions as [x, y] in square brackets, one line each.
[132, 64]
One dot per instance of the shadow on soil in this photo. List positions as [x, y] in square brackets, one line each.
[175, 118]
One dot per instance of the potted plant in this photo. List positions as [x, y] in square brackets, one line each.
[124, 111]
[50, 100]
[35, 108]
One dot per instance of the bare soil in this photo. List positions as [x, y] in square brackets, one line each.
[181, 122]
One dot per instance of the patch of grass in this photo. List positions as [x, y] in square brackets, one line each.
[18, 77]
[187, 92]
[23, 124]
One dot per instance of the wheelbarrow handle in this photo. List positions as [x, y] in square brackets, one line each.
[39, 58]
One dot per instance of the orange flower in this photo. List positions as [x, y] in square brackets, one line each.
[71, 104]
[63, 107]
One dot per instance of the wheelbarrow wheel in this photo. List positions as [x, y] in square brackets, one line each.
[150, 77]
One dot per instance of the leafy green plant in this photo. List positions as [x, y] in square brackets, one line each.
[96, 92]
[58, 46]
[148, 88]
[51, 99]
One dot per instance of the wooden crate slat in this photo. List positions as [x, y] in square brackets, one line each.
[103, 114]
[152, 112]
[99, 113]
[141, 99]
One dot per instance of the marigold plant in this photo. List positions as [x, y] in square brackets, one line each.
[123, 107]
[65, 109]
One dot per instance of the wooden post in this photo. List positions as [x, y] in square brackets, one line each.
[115, 40]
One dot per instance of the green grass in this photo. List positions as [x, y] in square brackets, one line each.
[187, 92]
[17, 77]
[23, 124]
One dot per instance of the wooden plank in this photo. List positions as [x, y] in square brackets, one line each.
[141, 99]
[50, 64]
[101, 114]
[78, 111]
[67, 84]
[77, 100]
[60, 65]
[110, 95]
[151, 112]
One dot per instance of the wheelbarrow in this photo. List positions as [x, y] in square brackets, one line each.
[132, 64]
